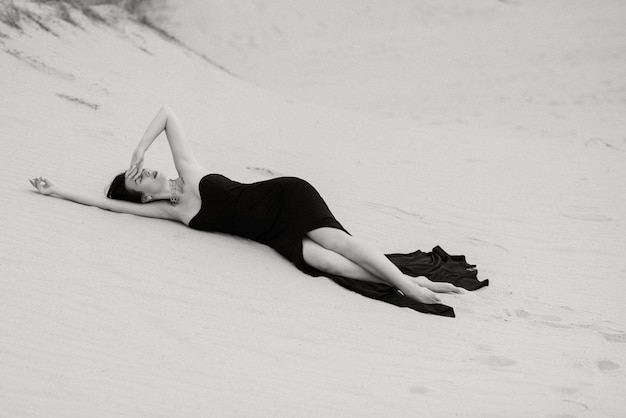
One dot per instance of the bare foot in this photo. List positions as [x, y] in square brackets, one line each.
[439, 287]
[421, 294]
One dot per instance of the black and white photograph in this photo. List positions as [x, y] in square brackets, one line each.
[313, 208]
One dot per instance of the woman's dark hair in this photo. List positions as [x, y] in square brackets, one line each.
[118, 191]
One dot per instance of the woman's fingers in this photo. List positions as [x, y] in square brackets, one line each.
[36, 182]
[136, 164]
[132, 172]
[43, 186]
[135, 169]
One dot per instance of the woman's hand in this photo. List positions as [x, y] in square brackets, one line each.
[439, 287]
[136, 164]
[44, 186]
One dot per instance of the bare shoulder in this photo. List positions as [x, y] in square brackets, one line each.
[192, 201]
[192, 179]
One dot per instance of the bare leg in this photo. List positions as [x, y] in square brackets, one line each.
[333, 263]
[372, 261]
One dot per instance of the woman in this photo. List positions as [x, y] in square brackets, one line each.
[285, 213]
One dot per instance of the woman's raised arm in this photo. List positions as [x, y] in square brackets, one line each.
[184, 160]
[160, 210]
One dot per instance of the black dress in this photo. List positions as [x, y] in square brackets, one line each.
[279, 212]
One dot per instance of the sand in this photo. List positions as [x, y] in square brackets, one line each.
[494, 129]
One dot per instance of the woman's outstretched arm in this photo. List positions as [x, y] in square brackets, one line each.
[159, 210]
[184, 160]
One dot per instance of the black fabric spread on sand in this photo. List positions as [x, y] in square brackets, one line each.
[279, 212]
[437, 265]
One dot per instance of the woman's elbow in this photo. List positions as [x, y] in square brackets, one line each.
[166, 111]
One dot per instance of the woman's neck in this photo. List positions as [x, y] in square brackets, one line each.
[177, 189]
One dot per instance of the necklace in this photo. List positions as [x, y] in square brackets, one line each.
[173, 193]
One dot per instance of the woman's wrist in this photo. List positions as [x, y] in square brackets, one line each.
[57, 191]
[142, 146]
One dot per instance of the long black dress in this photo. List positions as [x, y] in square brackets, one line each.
[279, 212]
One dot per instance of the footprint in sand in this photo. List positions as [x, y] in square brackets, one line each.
[418, 390]
[482, 347]
[602, 143]
[552, 321]
[567, 390]
[610, 332]
[520, 313]
[493, 360]
[614, 338]
[607, 365]
[497, 361]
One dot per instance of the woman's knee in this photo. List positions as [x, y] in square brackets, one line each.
[333, 263]
[313, 255]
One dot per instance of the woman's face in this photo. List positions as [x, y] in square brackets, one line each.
[149, 182]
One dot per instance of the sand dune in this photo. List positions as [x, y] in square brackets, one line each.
[510, 150]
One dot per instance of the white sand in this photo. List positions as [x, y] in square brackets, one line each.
[494, 129]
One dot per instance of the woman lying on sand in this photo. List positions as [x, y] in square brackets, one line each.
[285, 213]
